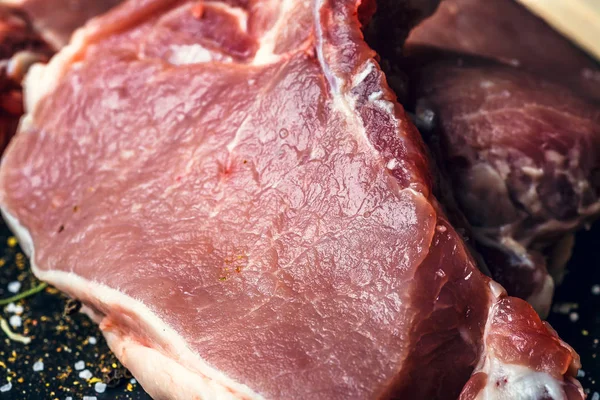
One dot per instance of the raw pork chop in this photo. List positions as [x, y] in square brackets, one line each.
[20, 47]
[521, 150]
[235, 195]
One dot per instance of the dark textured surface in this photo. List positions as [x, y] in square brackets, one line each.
[51, 331]
[580, 295]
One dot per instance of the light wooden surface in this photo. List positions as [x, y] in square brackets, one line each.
[579, 20]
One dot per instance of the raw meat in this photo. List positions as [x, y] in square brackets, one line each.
[56, 20]
[522, 151]
[504, 30]
[235, 195]
[20, 47]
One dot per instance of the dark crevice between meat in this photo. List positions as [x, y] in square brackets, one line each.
[20, 47]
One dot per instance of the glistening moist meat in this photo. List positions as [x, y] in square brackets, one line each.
[237, 197]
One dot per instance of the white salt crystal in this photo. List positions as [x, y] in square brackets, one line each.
[14, 287]
[38, 366]
[100, 387]
[6, 388]
[15, 321]
[13, 308]
[92, 340]
[85, 374]
[596, 289]
[79, 365]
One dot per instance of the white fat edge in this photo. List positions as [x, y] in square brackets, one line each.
[189, 54]
[522, 383]
[42, 79]
[215, 384]
[266, 50]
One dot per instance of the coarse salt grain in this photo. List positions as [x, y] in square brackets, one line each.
[85, 374]
[79, 365]
[38, 366]
[581, 373]
[596, 289]
[14, 287]
[13, 308]
[132, 381]
[595, 396]
[90, 398]
[68, 398]
[100, 387]
[574, 317]
[92, 340]
[15, 321]
[6, 388]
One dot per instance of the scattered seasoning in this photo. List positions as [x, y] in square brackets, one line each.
[11, 335]
[90, 398]
[6, 388]
[14, 287]
[38, 366]
[596, 290]
[25, 294]
[581, 373]
[15, 321]
[71, 307]
[100, 387]
[12, 241]
[595, 396]
[585, 332]
[574, 317]
[85, 374]
[79, 365]
[13, 308]
[45, 335]
[564, 308]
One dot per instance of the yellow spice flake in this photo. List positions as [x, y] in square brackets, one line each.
[129, 387]
[12, 241]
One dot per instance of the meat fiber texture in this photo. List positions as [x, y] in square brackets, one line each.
[517, 134]
[233, 192]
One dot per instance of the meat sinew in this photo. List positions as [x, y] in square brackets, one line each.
[522, 151]
[235, 195]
